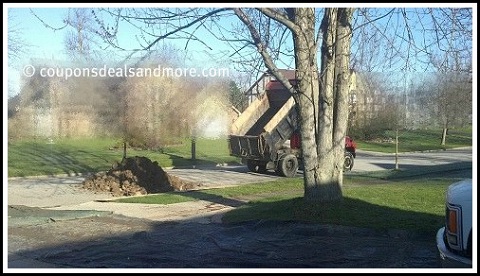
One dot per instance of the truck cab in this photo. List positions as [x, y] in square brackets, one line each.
[350, 149]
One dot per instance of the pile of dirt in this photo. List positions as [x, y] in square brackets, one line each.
[136, 176]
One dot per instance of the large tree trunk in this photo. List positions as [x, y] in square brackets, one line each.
[306, 97]
[331, 189]
[322, 127]
[333, 105]
[316, 132]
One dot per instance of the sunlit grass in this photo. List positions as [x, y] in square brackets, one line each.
[76, 156]
[415, 204]
[419, 140]
[82, 155]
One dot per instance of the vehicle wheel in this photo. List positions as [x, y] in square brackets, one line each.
[348, 163]
[261, 168]
[255, 166]
[288, 165]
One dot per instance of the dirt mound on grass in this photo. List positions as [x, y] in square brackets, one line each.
[136, 176]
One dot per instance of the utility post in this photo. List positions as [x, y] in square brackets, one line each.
[194, 158]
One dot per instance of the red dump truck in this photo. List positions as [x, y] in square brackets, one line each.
[266, 134]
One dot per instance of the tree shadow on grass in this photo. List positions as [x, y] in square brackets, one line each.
[49, 160]
[348, 212]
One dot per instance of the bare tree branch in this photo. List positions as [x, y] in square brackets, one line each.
[262, 50]
[16, 43]
[199, 19]
[280, 17]
[46, 25]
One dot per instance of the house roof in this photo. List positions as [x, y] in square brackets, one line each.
[288, 73]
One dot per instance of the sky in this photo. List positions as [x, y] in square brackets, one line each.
[44, 43]
[41, 42]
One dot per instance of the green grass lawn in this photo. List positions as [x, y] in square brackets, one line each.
[415, 203]
[75, 156]
[419, 140]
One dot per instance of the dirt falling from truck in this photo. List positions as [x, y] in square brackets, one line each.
[136, 176]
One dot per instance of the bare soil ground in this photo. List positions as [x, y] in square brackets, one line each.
[136, 176]
[112, 241]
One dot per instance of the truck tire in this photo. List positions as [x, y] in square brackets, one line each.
[256, 167]
[348, 163]
[288, 165]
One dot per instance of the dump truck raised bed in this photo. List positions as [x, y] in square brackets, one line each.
[266, 134]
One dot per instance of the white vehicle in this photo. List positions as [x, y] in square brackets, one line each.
[454, 240]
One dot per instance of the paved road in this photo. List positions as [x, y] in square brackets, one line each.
[57, 191]
[372, 161]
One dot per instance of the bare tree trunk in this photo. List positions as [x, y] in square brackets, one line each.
[307, 98]
[324, 178]
[323, 186]
[342, 82]
[322, 128]
[445, 120]
[444, 135]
